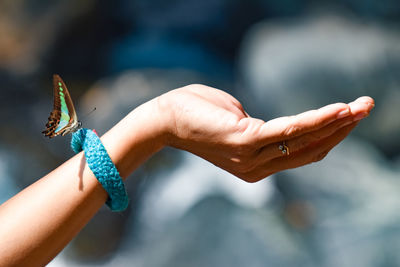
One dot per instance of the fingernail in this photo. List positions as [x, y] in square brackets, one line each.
[371, 106]
[343, 113]
[347, 122]
[360, 116]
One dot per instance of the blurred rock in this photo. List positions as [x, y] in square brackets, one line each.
[295, 65]
[218, 232]
[175, 191]
[354, 196]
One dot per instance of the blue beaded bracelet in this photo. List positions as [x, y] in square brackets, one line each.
[102, 167]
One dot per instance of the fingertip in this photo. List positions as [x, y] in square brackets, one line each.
[361, 107]
[366, 100]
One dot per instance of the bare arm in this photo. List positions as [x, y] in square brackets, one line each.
[38, 222]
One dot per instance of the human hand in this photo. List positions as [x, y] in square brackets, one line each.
[203, 120]
[213, 125]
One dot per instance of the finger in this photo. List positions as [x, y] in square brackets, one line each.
[285, 128]
[366, 100]
[300, 158]
[361, 107]
[295, 144]
[359, 110]
[313, 153]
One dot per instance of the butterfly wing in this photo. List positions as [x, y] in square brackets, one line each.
[63, 118]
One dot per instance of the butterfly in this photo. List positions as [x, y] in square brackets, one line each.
[63, 119]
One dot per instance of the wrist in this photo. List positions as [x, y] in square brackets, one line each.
[136, 137]
[166, 110]
[159, 120]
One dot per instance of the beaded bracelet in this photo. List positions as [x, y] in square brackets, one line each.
[102, 167]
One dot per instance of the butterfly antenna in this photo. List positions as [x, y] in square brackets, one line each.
[94, 109]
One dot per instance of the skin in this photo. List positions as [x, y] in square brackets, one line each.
[202, 120]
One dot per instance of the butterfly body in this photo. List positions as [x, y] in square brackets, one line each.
[63, 119]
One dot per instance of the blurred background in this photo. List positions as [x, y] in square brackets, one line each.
[278, 57]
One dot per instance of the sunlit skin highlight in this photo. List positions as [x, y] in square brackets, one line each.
[38, 222]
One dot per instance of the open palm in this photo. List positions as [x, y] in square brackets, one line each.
[213, 125]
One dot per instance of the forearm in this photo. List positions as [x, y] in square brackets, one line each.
[40, 221]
